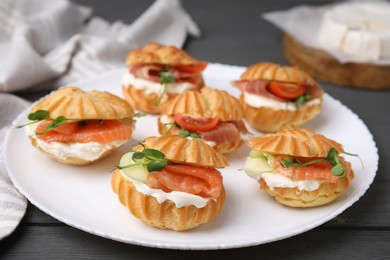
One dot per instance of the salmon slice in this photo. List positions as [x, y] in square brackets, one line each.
[100, 131]
[320, 171]
[201, 181]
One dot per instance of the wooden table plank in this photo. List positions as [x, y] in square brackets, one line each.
[68, 243]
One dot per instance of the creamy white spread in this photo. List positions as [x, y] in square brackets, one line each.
[150, 87]
[258, 101]
[167, 119]
[275, 180]
[262, 168]
[357, 29]
[86, 151]
[180, 199]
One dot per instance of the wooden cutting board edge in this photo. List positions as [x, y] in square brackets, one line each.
[323, 66]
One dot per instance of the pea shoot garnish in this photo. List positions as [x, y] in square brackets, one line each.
[182, 132]
[138, 115]
[152, 159]
[60, 121]
[35, 117]
[185, 133]
[302, 99]
[165, 79]
[41, 115]
[337, 170]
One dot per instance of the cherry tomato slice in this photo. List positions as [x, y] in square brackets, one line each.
[193, 68]
[286, 90]
[196, 124]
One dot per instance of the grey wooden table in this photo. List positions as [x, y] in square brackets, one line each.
[234, 33]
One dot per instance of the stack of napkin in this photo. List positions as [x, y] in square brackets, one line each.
[45, 44]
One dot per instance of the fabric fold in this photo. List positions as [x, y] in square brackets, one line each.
[12, 203]
[59, 47]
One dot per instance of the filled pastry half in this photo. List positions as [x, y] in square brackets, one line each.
[299, 167]
[156, 73]
[78, 127]
[211, 115]
[171, 182]
[276, 97]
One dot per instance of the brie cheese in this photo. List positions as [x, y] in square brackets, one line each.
[357, 29]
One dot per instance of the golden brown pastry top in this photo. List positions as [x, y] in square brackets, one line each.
[182, 150]
[271, 71]
[207, 102]
[154, 53]
[74, 103]
[295, 142]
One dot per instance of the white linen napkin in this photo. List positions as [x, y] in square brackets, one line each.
[12, 203]
[45, 44]
[43, 40]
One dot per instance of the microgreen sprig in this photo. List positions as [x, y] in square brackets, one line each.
[41, 115]
[165, 79]
[185, 133]
[61, 121]
[302, 99]
[152, 159]
[332, 157]
[35, 117]
[182, 132]
[138, 115]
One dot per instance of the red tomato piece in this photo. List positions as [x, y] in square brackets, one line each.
[286, 90]
[192, 68]
[193, 124]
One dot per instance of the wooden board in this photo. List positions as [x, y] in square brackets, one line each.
[323, 66]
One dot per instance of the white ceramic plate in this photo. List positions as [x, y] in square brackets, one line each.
[82, 197]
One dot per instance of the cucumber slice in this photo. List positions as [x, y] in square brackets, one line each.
[126, 159]
[259, 154]
[257, 166]
[137, 172]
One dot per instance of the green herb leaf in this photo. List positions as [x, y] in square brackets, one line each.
[153, 154]
[331, 156]
[287, 163]
[184, 133]
[156, 165]
[195, 135]
[138, 115]
[138, 156]
[338, 170]
[35, 117]
[165, 79]
[39, 115]
[302, 99]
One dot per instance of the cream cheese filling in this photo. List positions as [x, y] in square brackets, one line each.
[258, 101]
[151, 87]
[86, 151]
[181, 199]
